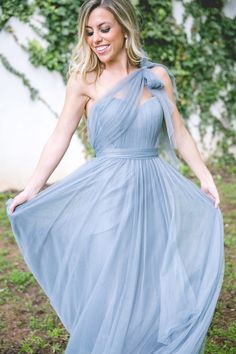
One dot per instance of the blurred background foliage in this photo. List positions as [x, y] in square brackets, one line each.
[204, 66]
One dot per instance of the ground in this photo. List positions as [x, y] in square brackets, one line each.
[29, 324]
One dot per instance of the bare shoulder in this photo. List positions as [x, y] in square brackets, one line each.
[162, 73]
[76, 84]
[82, 86]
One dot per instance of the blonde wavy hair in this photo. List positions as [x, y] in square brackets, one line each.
[83, 59]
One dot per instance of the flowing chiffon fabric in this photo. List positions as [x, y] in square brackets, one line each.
[129, 251]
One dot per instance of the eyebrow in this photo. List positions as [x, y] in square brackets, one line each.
[100, 24]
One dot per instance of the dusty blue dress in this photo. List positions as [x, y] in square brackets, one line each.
[129, 251]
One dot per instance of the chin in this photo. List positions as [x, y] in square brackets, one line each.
[105, 60]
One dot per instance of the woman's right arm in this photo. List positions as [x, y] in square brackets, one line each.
[59, 140]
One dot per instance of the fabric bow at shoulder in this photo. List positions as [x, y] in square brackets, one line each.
[150, 79]
[153, 83]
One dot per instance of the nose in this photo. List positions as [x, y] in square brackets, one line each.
[96, 37]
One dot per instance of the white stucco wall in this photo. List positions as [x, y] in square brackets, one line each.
[25, 125]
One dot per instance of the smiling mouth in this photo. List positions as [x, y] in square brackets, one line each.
[102, 48]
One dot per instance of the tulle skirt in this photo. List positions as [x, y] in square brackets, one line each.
[129, 253]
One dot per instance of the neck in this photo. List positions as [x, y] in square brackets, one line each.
[120, 65]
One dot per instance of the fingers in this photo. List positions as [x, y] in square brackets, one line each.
[216, 198]
[213, 194]
[16, 201]
[12, 207]
[20, 199]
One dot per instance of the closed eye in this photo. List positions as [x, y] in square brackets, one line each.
[103, 30]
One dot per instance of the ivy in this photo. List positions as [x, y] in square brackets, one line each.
[15, 8]
[195, 63]
[61, 22]
[34, 93]
[204, 67]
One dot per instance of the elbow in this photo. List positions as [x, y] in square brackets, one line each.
[59, 140]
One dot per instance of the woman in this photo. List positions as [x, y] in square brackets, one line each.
[129, 251]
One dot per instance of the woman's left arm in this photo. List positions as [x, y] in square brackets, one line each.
[186, 145]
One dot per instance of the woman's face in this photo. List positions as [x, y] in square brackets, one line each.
[105, 36]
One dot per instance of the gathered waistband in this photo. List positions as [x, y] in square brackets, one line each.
[128, 152]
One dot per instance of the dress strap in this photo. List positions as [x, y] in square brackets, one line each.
[157, 88]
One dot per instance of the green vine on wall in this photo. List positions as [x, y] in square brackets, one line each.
[34, 93]
[217, 48]
[194, 63]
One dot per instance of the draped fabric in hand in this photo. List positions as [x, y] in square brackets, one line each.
[128, 250]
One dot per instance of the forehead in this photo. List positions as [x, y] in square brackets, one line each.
[98, 16]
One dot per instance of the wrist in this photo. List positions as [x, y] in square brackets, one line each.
[31, 190]
[206, 179]
[205, 176]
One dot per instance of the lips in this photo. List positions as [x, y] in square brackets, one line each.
[102, 48]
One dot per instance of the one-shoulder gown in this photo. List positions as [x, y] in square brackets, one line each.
[129, 251]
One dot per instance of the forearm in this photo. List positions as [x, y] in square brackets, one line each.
[188, 150]
[50, 157]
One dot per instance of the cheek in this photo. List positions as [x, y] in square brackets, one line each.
[116, 39]
[88, 41]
